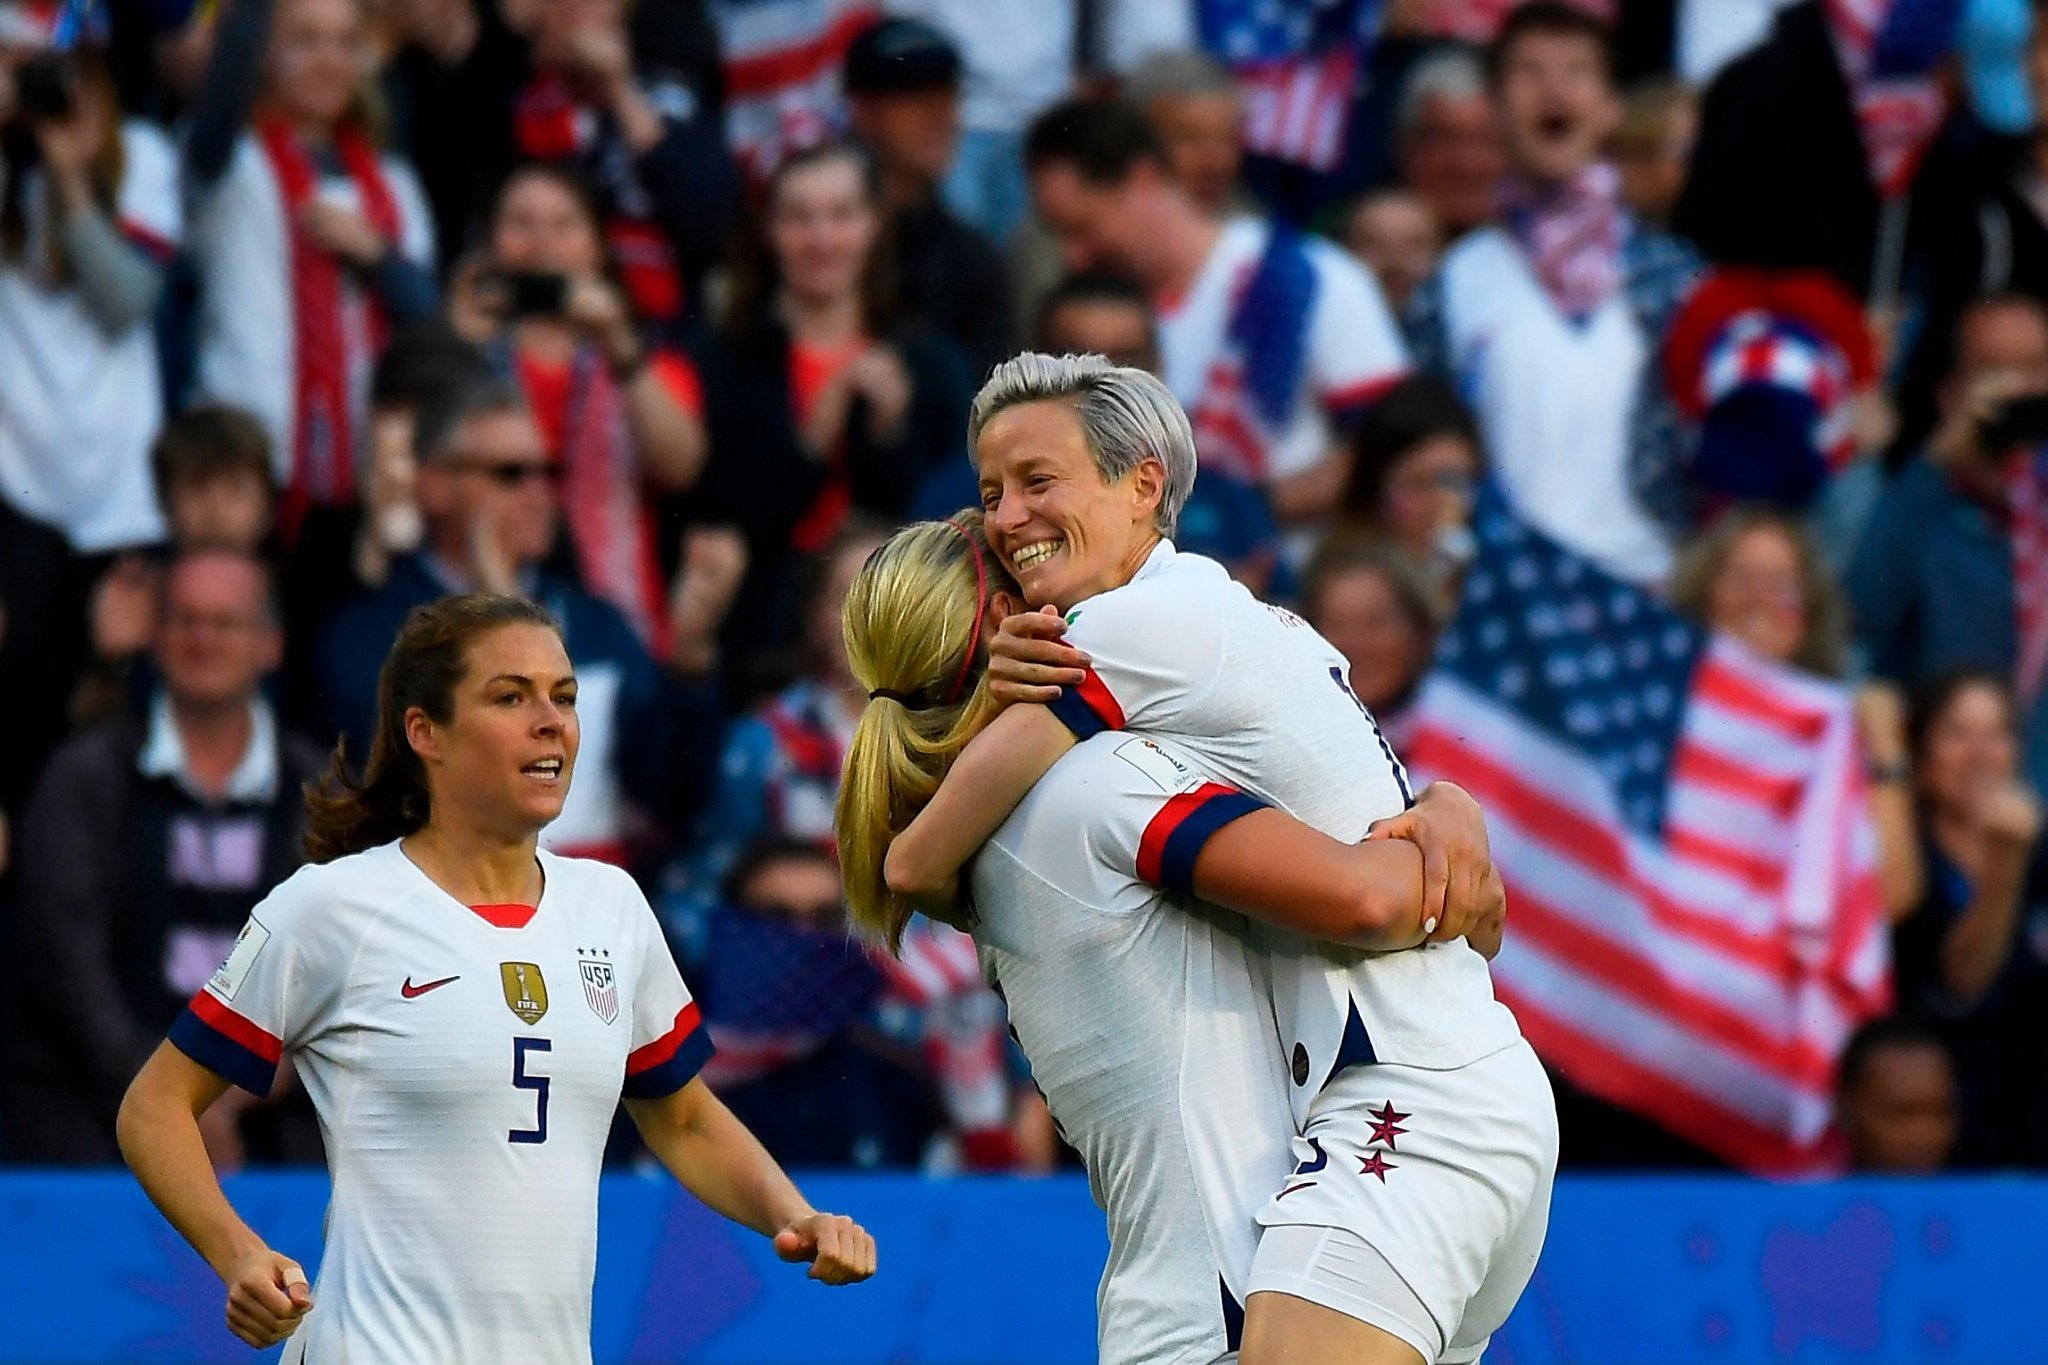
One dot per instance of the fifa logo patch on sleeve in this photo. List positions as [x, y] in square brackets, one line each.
[600, 983]
[526, 993]
[1164, 771]
[235, 970]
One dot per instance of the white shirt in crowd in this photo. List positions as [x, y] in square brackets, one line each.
[1263, 704]
[79, 408]
[465, 1063]
[1019, 59]
[1555, 400]
[1148, 1022]
[1353, 351]
[246, 331]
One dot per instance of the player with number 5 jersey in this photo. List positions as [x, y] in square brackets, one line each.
[466, 1012]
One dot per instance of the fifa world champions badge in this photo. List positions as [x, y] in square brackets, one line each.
[600, 982]
[526, 993]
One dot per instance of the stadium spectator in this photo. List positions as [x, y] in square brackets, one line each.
[1447, 142]
[785, 991]
[1397, 237]
[1975, 953]
[148, 840]
[1551, 323]
[1416, 460]
[623, 419]
[1653, 148]
[1895, 1099]
[1811, 139]
[1265, 335]
[309, 243]
[1756, 574]
[818, 402]
[1097, 314]
[1198, 115]
[457, 68]
[1020, 61]
[649, 729]
[635, 110]
[1382, 616]
[903, 97]
[214, 480]
[89, 218]
[1943, 574]
[779, 776]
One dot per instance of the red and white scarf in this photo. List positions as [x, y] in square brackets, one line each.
[324, 345]
[1572, 235]
[1898, 116]
[601, 500]
[2027, 507]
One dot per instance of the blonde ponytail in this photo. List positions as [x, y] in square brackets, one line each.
[913, 640]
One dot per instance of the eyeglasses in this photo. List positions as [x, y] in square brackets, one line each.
[508, 473]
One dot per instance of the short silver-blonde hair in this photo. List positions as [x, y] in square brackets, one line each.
[1127, 416]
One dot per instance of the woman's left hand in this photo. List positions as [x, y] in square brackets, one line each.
[345, 233]
[598, 310]
[880, 376]
[840, 1250]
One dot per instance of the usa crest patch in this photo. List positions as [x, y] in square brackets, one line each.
[600, 984]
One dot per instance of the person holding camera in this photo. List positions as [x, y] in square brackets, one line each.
[88, 219]
[1952, 568]
[311, 246]
[623, 419]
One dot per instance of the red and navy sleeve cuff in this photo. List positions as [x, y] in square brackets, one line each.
[227, 1044]
[1088, 708]
[671, 1061]
[1177, 834]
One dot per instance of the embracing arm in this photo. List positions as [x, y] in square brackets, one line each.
[716, 1159]
[993, 773]
[158, 1130]
[1269, 865]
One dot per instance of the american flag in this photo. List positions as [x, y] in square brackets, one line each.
[1888, 50]
[1695, 922]
[781, 66]
[1297, 63]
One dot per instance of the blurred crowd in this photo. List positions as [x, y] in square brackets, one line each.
[666, 312]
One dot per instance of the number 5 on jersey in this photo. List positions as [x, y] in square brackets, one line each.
[538, 1084]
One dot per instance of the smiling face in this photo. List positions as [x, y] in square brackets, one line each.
[1969, 752]
[316, 59]
[1759, 595]
[1061, 530]
[507, 751]
[822, 227]
[1556, 105]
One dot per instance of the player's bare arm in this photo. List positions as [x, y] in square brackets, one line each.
[158, 1129]
[716, 1159]
[1274, 868]
[996, 770]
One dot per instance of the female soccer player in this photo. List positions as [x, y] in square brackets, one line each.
[1430, 1134]
[1148, 1017]
[466, 1012]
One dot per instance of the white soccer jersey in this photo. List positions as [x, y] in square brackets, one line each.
[1352, 352]
[466, 1063]
[1148, 1021]
[1260, 701]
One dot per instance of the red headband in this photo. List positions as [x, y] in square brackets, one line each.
[980, 610]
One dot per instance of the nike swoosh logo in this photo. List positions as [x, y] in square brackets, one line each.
[1291, 1189]
[412, 992]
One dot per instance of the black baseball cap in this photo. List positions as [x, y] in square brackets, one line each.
[897, 56]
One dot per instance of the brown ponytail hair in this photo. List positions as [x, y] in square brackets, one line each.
[914, 642]
[345, 814]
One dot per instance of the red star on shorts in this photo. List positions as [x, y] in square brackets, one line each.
[1387, 1121]
[1373, 1163]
